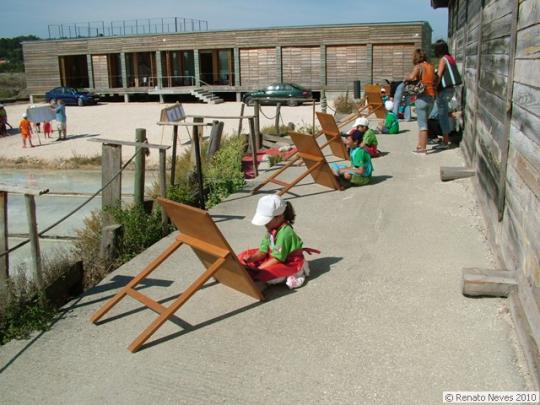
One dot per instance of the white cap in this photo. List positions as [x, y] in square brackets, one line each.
[267, 208]
[24, 115]
[361, 121]
[389, 105]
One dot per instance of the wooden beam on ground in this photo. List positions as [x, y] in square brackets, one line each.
[488, 283]
[452, 173]
[127, 143]
[22, 190]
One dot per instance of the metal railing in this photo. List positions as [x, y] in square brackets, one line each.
[160, 25]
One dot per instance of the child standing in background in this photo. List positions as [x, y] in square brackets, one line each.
[47, 129]
[26, 130]
[279, 257]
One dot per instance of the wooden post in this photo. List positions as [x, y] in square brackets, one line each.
[34, 240]
[4, 260]
[278, 108]
[140, 136]
[215, 138]
[323, 100]
[258, 137]
[111, 240]
[173, 159]
[253, 145]
[199, 133]
[313, 119]
[241, 119]
[197, 149]
[163, 188]
[111, 164]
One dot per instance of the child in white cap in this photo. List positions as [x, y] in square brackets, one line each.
[391, 122]
[279, 257]
[26, 130]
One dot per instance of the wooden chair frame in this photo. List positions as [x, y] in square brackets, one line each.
[316, 165]
[199, 232]
[373, 100]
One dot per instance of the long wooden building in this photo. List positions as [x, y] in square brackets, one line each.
[234, 61]
[496, 45]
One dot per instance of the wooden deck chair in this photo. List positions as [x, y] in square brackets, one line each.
[333, 138]
[198, 231]
[374, 103]
[316, 165]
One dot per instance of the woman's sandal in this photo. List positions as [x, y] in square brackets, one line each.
[420, 151]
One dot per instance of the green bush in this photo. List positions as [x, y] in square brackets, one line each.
[23, 316]
[141, 230]
[27, 309]
[224, 174]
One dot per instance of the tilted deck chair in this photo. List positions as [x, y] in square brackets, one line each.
[316, 165]
[198, 231]
[373, 102]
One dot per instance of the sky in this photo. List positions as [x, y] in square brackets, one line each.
[24, 17]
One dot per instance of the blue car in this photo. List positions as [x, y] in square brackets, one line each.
[72, 96]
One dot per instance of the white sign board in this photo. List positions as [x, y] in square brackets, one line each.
[173, 114]
[40, 114]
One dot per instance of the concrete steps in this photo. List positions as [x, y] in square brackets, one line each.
[206, 96]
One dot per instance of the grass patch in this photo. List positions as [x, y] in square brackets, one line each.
[271, 130]
[343, 104]
[27, 309]
[74, 162]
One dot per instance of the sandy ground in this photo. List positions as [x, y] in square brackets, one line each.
[119, 120]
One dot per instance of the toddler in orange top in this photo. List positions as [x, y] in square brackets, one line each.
[26, 130]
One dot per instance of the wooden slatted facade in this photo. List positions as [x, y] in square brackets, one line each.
[329, 56]
[496, 46]
[258, 67]
[302, 65]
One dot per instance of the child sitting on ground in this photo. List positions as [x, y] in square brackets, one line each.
[26, 130]
[391, 122]
[368, 138]
[360, 170]
[280, 255]
[47, 129]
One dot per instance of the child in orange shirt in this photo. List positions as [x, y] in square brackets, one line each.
[26, 130]
[47, 129]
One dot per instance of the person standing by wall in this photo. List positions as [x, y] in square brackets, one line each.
[448, 77]
[423, 71]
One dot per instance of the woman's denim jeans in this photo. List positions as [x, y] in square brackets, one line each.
[424, 104]
[443, 98]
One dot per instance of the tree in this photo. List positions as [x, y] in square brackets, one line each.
[11, 53]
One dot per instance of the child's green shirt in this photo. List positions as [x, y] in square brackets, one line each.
[282, 243]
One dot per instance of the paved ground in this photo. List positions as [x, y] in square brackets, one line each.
[381, 321]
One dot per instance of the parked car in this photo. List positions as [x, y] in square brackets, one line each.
[286, 93]
[72, 96]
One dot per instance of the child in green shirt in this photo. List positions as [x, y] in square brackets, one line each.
[360, 170]
[280, 255]
[391, 122]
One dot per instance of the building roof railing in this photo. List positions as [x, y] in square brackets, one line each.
[93, 29]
